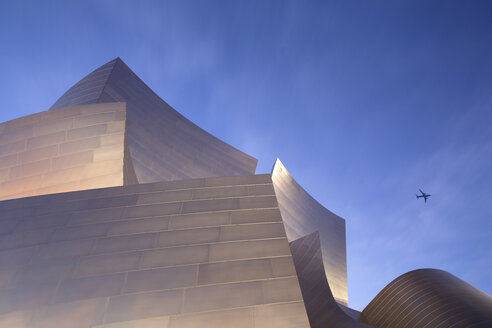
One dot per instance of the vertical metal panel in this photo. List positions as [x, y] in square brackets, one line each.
[303, 215]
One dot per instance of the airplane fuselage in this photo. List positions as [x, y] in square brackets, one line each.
[424, 196]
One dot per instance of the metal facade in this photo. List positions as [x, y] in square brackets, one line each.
[194, 253]
[181, 233]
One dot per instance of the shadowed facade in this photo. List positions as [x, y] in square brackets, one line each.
[181, 233]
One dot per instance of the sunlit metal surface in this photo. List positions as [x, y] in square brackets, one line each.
[429, 298]
[67, 149]
[193, 253]
[163, 144]
[303, 215]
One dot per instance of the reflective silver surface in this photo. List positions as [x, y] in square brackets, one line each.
[163, 144]
[303, 215]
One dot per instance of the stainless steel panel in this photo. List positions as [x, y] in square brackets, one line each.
[175, 256]
[226, 296]
[166, 278]
[69, 315]
[102, 264]
[144, 305]
[89, 287]
[234, 271]
[237, 318]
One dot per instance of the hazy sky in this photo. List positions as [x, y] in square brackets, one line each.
[363, 101]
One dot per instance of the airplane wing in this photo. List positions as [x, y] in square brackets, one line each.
[421, 192]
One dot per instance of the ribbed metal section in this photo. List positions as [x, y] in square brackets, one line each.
[429, 298]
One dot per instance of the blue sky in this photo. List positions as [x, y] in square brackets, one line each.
[363, 101]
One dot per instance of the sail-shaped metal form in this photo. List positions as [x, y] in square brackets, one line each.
[163, 144]
[302, 216]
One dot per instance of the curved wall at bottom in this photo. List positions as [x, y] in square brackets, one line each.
[429, 298]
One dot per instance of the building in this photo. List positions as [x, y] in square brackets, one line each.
[117, 211]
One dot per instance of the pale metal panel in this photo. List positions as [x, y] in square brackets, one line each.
[225, 296]
[102, 264]
[144, 305]
[289, 315]
[199, 220]
[69, 315]
[237, 318]
[175, 256]
[165, 278]
[63, 150]
[89, 287]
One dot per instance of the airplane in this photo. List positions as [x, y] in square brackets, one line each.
[424, 195]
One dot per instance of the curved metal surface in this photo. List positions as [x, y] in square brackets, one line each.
[322, 309]
[429, 298]
[303, 215]
[164, 145]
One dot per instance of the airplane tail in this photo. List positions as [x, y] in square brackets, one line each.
[417, 196]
